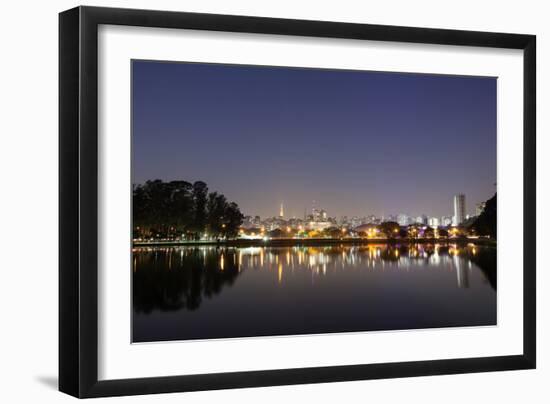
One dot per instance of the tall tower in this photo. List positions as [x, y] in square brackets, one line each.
[459, 209]
[282, 211]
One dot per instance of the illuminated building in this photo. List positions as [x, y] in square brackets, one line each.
[318, 225]
[433, 221]
[446, 220]
[315, 214]
[422, 219]
[459, 202]
[355, 221]
[403, 220]
[282, 211]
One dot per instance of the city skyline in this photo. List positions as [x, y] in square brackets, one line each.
[357, 142]
[452, 212]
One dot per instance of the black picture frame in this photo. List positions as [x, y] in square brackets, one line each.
[78, 201]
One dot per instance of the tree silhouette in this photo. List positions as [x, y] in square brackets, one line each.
[486, 223]
[200, 191]
[171, 209]
[390, 229]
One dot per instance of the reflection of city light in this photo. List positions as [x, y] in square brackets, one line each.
[262, 257]
[320, 260]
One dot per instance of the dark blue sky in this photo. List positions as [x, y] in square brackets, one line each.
[355, 142]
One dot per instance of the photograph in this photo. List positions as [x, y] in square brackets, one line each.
[276, 200]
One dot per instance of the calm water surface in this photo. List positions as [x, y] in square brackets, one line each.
[218, 292]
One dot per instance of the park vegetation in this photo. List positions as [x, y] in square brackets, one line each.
[486, 222]
[180, 210]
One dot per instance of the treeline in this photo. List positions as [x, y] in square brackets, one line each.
[180, 209]
[486, 222]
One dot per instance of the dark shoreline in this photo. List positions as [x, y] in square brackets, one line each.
[312, 242]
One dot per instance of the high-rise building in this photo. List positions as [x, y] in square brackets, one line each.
[422, 219]
[355, 221]
[315, 214]
[446, 220]
[391, 218]
[403, 219]
[433, 222]
[282, 211]
[459, 209]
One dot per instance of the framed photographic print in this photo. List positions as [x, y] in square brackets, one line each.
[251, 201]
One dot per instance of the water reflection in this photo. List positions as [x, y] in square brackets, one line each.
[176, 278]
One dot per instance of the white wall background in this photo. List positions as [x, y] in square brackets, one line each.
[28, 199]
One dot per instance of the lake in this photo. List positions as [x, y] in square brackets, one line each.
[204, 292]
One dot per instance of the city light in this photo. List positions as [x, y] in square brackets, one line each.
[319, 224]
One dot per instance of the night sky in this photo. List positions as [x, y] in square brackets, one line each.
[355, 142]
